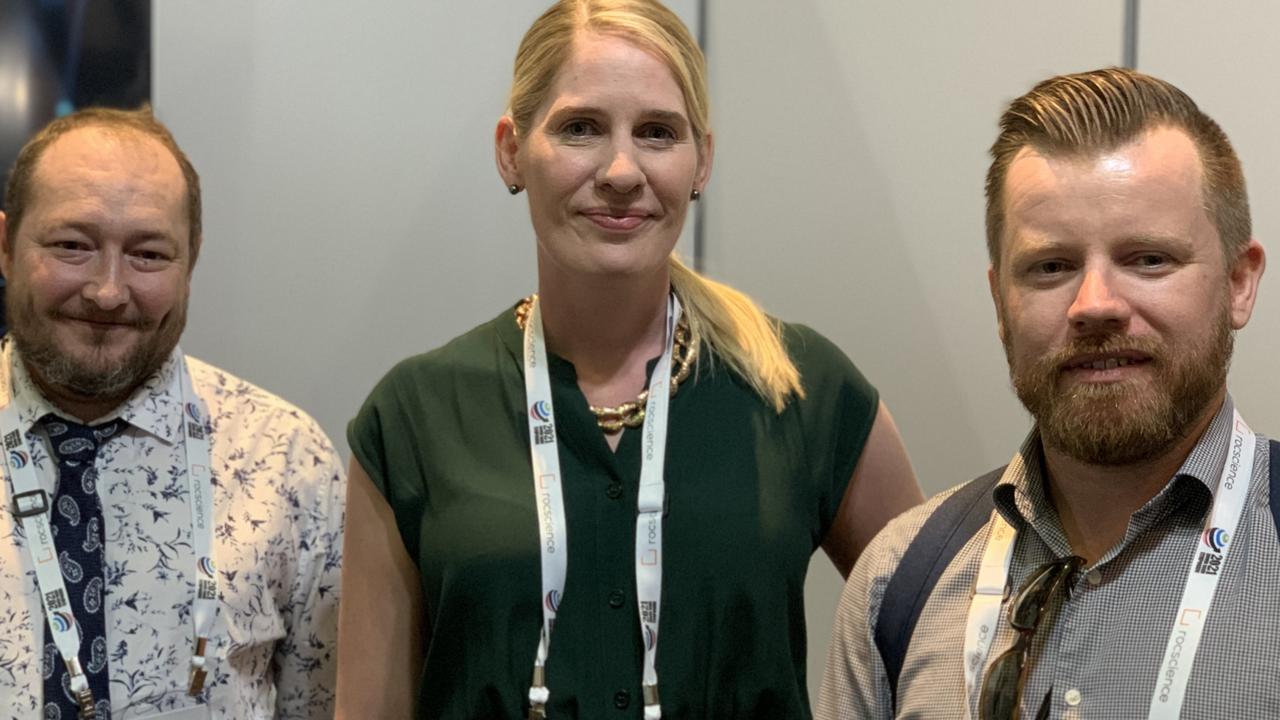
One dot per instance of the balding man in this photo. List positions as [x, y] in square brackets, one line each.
[169, 534]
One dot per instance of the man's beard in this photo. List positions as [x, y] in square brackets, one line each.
[1129, 421]
[94, 377]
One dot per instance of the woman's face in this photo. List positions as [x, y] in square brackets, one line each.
[608, 162]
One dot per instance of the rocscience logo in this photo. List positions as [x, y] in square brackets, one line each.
[540, 410]
[61, 621]
[1216, 539]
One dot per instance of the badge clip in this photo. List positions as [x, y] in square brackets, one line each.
[197, 669]
[30, 503]
[84, 699]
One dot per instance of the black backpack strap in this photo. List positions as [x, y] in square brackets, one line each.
[1275, 483]
[951, 525]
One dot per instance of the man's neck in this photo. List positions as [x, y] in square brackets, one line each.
[1095, 502]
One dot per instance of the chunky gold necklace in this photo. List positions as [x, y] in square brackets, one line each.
[631, 414]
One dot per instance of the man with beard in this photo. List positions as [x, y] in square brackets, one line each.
[169, 534]
[1125, 563]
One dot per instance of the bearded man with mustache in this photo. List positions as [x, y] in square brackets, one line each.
[169, 534]
[1125, 563]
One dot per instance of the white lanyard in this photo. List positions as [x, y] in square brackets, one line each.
[1202, 581]
[31, 506]
[204, 608]
[549, 498]
[988, 594]
[1206, 570]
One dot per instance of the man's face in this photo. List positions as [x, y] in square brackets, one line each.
[98, 272]
[1115, 302]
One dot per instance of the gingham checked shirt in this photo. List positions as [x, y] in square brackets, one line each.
[1103, 647]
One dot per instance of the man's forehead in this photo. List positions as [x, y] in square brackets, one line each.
[1161, 159]
[126, 159]
[1157, 152]
[1150, 187]
[107, 145]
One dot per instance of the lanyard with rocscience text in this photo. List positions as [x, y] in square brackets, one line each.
[549, 499]
[31, 507]
[1202, 580]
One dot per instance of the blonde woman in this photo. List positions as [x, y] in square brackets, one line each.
[602, 503]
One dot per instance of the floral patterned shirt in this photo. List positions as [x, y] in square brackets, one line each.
[278, 512]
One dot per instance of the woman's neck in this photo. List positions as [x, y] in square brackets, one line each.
[609, 328]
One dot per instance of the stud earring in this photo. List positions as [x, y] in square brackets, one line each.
[695, 194]
[514, 189]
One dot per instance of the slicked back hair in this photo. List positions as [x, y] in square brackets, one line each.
[1088, 113]
[18, 191]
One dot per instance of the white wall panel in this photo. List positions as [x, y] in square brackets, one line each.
[847, 194]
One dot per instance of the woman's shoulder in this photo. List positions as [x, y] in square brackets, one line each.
[812, 351]
[480, 349]
[827, 374]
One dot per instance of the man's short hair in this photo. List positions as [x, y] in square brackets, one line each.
[1092, 112]
[142, 121]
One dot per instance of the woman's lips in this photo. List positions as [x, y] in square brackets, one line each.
[621, 222]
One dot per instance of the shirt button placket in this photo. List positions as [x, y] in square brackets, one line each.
[622, 699]
[1072, 638]
[614, 491]
[617, 599]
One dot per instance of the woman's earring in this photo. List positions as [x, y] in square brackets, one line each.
[692, 196]
[514, 189]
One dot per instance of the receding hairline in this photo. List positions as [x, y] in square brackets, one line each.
[1092, 154]
[122, 136]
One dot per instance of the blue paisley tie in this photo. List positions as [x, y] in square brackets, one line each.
[76, 517]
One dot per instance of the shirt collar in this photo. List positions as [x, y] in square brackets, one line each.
[1205, 461]
[155, 407]
[512, 336]
[509, 332]
[1022, 497]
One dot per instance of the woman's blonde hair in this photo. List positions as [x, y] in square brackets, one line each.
[724, 319]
